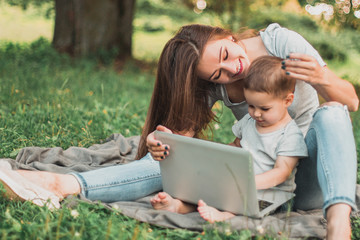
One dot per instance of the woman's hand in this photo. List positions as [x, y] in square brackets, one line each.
[326, 83]
[157, 150]
[304, 67]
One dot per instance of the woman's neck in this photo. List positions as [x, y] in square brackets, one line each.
[254, 47]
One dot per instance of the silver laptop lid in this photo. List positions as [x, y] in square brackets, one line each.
[220, 174]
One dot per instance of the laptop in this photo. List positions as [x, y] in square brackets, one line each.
[221, 175]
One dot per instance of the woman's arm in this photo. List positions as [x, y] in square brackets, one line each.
[327, 84]
[279, 174]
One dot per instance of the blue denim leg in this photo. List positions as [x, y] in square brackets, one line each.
[328, 175]
[121, 182]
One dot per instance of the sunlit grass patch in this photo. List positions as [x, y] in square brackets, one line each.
[23, 26]
[147, 45]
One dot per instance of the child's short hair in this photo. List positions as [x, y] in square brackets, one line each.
[265, 75]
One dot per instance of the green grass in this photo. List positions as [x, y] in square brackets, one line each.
[64, 102]
[350, 69]
[147, 46]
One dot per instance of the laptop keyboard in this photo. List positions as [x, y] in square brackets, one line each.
[263, 204]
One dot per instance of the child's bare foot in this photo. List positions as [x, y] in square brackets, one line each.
[163, 201]
[211, 214]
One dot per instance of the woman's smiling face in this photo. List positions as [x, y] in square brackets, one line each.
[223, 61]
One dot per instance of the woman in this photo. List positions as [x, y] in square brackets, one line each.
[203, 64]
[221, 59]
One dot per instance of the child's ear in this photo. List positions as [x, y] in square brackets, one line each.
[289, 99]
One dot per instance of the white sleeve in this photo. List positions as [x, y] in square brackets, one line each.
[238, 127]
[281, 42]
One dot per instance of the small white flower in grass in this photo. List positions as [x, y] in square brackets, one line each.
[216, 126]
[77, 234]
[227, 232]
[127, 131]
[74, 213]
[116, 207]
[260, 229]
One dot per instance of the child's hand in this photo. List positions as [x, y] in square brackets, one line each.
[236, 143]
[157, 149]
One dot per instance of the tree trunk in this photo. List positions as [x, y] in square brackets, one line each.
[84, 27]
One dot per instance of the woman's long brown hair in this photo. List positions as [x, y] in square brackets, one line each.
[180, 98]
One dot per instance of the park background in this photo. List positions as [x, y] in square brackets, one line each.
[56, 96]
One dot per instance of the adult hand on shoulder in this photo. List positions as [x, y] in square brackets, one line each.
[304, 67]
[157, 149]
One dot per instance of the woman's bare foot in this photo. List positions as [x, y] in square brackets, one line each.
[18, 188]
[62, 185]
[338, 222]
[163, 201]
[211, 214]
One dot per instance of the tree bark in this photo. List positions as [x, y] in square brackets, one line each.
[83, 27]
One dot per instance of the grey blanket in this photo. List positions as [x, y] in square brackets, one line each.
[120, 150]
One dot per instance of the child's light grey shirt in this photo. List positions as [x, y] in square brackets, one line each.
[265, 148]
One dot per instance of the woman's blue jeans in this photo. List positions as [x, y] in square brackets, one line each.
[326, 177]
[121, 182]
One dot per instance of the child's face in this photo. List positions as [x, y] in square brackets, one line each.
[266, 109]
